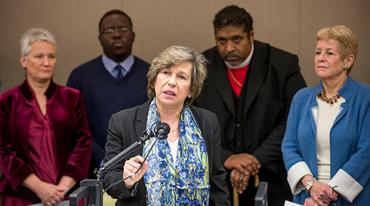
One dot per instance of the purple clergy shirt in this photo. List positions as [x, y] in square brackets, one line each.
[50, 146]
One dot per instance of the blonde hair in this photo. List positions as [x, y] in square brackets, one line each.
[343, 35]
[175, 55]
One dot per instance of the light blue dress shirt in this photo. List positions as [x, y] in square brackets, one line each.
[109, 64]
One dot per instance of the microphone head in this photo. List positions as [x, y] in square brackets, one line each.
[161, 130]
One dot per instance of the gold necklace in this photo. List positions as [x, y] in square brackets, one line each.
[331, 100]
[234, 79]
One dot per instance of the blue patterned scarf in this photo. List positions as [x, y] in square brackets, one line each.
[186, 181]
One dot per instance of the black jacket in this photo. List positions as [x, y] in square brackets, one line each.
[124, 129]
[272, 80]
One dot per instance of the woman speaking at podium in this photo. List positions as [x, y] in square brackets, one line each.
[185, 168]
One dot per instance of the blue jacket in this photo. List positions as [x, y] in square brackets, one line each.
[349, 143]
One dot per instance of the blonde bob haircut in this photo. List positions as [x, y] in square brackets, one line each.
[175, 55]
[343, 35]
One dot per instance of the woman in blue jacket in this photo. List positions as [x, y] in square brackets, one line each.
[326, 147]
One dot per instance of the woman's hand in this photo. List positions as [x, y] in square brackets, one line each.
[322, 193]
[310, 202]
[131, 171]
[50, 194]
[66, 183]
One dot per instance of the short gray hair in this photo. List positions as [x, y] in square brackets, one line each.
[175, 55]
[32, 35]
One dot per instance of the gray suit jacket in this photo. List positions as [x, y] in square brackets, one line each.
[125, 127]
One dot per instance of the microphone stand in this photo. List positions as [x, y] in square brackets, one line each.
[146, 136]
[91, 190]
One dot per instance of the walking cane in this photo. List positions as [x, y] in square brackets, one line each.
[236, 194]
[235, 197]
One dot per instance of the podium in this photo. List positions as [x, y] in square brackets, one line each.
[261, 196]
[90, 193]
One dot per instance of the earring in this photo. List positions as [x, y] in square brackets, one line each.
[189, 95]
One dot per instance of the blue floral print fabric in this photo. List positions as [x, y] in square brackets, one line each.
[186, 181]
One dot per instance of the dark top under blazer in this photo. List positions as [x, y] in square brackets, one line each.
[272, 80]
[124, 129]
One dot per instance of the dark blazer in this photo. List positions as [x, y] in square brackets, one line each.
[124, 129]
[272, 80]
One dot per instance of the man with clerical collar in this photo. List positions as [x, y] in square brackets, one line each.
[110, 82]
[250, 85]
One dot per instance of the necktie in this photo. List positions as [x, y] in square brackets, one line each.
[118, 70]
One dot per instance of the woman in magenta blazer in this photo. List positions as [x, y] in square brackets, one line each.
[45, 143]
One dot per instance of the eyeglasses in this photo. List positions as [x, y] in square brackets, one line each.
[121, 30]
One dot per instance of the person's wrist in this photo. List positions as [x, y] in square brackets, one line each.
[309, 184]
[36, 185]
[39, 189]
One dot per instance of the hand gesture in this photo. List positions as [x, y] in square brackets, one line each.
[134, 169]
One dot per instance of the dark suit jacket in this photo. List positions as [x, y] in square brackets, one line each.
[124, 129]
[272, 80]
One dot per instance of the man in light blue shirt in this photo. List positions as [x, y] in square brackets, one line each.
[111, 82]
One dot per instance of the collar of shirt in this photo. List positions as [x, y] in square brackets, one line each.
[244, 63]
[109, 64]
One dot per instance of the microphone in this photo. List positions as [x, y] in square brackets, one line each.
[161, 130]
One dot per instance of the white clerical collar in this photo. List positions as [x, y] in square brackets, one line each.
[244, 63]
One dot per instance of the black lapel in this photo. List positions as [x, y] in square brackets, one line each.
[141, 119]
[257, 72]
[218, 76]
